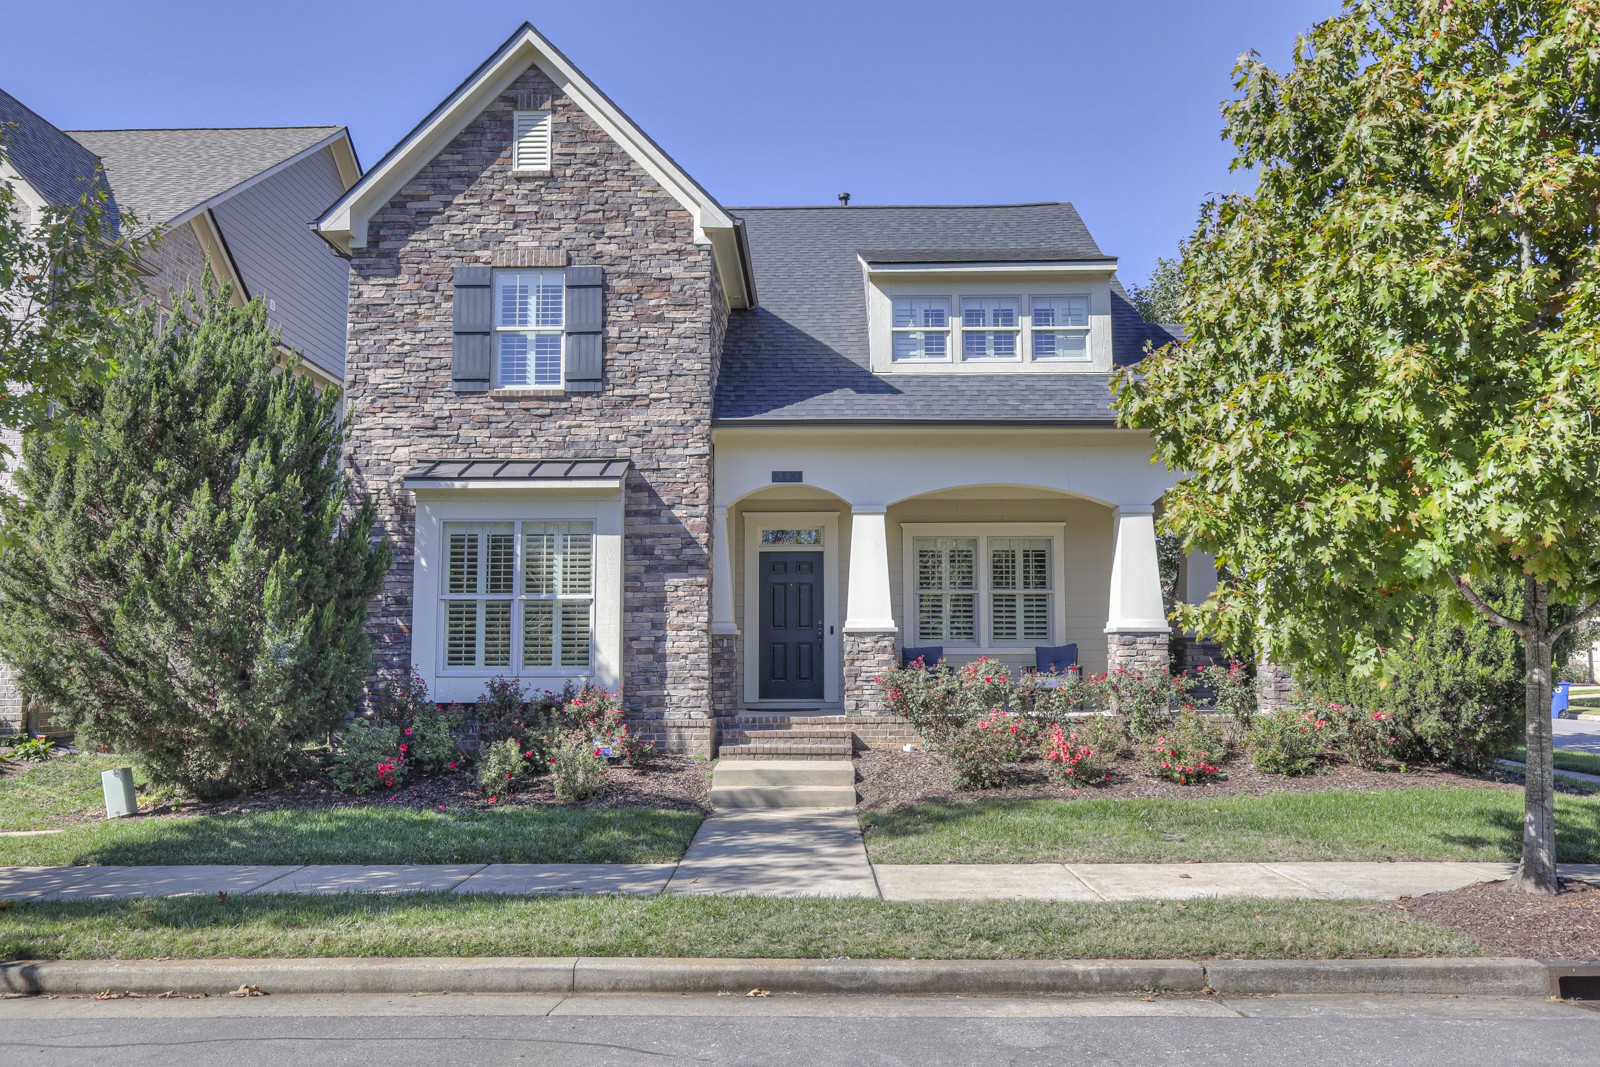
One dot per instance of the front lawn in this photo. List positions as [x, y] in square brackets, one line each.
[748, 927]
[1566, 759]
[36, 796]
[369, 835]
[1399, 824]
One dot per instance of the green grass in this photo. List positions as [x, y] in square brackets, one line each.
[1566, 760]
[48, 795]
[369, 835]
[442, 925]
[1401, 824]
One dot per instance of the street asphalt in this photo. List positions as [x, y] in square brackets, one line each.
[794, 1030]
[1579, 735]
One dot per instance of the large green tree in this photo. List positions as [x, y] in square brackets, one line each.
[1160, 298]
[68, 279]
[191, 585]
[1391, 381]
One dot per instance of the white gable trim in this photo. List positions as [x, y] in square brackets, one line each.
[344, 225]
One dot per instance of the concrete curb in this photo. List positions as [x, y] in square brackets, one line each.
[1477, 977]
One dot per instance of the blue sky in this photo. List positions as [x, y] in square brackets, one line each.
[1113, 106]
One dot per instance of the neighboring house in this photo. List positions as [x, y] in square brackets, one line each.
[729, 459]
[239, 201]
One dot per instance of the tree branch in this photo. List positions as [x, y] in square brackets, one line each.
[1577, 620]
[1482, 605]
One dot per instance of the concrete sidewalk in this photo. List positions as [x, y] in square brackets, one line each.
[730, 863]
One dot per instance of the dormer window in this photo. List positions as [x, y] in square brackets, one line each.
[989, 327]
[922, 328]
[530, 144]
[1060, 327]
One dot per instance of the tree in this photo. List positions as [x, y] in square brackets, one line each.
[67, 281]
[191, 586]
[1160, 298]
[1391, 382]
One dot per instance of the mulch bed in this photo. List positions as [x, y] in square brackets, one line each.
[1513, 923]
[890, 778]
[675, 783]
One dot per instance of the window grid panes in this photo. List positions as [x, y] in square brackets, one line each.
[529, 313]
[921, 328]
[990, 326]
[947, 589]
[1060, 327]
[533, 608]
[1019, 589]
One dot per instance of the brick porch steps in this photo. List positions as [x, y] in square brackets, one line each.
[788, 742]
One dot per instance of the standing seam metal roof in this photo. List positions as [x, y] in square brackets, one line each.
[801, 356]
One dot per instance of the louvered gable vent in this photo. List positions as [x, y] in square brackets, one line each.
[530, 148]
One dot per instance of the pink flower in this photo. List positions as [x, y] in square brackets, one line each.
[408, 731]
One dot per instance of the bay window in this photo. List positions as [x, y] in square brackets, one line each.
[517, 593]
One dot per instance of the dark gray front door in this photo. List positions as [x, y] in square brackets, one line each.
[791, 626]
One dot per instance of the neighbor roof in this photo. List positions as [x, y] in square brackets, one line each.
[802, 355]
[58, 168]
[161, 176]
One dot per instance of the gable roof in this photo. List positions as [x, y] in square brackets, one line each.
[802, 356]
[164, 177]
[58, 168]
[344, 224]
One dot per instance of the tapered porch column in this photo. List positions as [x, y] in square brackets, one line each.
[1137, 633]
[724, 630]
[870, 633]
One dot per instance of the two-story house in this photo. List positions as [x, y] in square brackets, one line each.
[237, 201]
[732, 460]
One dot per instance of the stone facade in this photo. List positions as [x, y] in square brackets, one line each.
[664, 319]
[1138, 651]
[1275, 686]
[724, 674]
[867, 657]
[1192, 654]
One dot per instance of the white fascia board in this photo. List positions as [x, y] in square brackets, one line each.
[427, 484]
[345, 223]
[1098, 266]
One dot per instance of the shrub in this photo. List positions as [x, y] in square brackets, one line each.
[193, 589]
[1144, 698]
[506, 710]
[579, 770]
[1364, 738]
[428, 745]
[1294, 741]
[368, 757]
[1234, 692]
[925, 696]
[399, 701]
[1189, 751]
[983, 753]
[1073, 758]
[504, 767]
[32, 749]
[1064, 695]
[984, 685]
[1105, 734]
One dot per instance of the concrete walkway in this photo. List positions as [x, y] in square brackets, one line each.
[782, 852]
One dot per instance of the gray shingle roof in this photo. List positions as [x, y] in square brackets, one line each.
[160, 174]
[802, 354]
[60, 169]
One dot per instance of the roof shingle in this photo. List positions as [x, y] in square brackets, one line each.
[59, 168]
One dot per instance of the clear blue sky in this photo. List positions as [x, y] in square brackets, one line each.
[1110, 105]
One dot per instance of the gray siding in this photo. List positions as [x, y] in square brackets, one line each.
[268, 231]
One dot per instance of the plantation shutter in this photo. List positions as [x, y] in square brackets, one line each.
[472, 346]
[585, 326]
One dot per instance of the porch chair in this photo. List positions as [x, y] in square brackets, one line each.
[1052, 661]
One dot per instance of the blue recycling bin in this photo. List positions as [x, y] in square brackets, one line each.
[1560, 698]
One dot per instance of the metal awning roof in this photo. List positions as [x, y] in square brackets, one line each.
[514, 473]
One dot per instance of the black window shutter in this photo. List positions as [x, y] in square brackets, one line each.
[585, 329]
[473, 345]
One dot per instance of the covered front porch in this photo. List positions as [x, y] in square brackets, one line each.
[834, 551]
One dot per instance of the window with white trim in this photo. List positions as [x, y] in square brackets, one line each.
[529, 315]
[921, 328]
[990, 326]
[1060, 327]
[947, 589]
[1010, 600]
[530, 140]
[518, 593]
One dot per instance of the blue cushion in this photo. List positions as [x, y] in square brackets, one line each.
[1055, 659]
[928, 654]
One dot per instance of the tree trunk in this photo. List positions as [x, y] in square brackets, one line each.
[1537, 873]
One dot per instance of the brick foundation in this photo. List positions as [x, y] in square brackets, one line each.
[13, 706]
[1138, 651]
[678, 737]
[867, 657]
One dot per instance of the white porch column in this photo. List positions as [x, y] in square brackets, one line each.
[722, 619]
[869, 631]
[1136, 630]
[867, 600]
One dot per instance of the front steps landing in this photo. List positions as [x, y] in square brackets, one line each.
[744, 784]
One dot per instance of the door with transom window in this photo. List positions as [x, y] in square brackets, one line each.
[791, 626]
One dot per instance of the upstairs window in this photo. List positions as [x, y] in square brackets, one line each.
[1060, 327]
[989, 327]
[921, 328]
[529, 317]
[530, 141]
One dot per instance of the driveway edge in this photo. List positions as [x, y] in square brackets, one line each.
[1473, 977]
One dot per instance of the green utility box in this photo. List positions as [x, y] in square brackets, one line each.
[120, 798]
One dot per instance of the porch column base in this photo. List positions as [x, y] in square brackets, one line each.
[724, 673]
[868, 656]
[1275, 686]
[678, 737]
[1131, 650]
